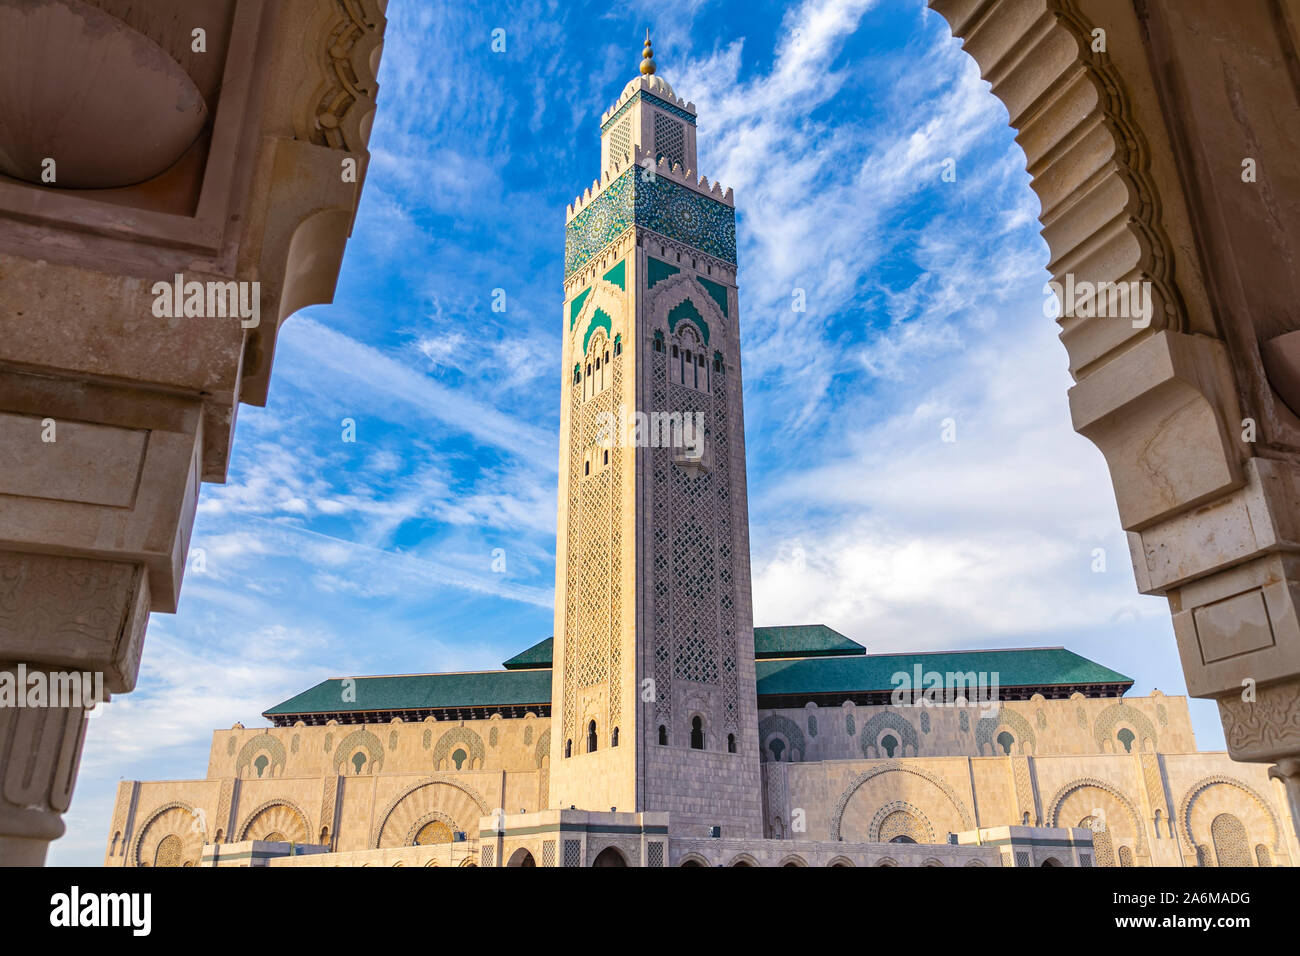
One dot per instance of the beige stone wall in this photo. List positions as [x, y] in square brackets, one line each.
[350, 786]
[1144, 809]
[1037, 726]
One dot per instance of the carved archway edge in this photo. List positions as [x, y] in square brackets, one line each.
[436, 778]
[897, 766]
[1138, 206]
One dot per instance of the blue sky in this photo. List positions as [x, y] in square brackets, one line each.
[831, 121]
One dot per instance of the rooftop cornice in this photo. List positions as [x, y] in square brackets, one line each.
[650, 86]
[642, 158]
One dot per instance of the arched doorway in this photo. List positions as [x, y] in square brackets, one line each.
[609, 857]
[521, 857]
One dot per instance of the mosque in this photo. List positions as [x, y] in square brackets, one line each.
[658, 726]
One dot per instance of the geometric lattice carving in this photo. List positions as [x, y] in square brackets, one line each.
[168, 852]
[573, 853]
[620, 140]
[435, 831]
[1101, 842]
[593, 578]
[670, 139]
[1229, 837]
[1197, 790]
[900, 819]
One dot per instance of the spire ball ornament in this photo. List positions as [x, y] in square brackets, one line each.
[648, 56]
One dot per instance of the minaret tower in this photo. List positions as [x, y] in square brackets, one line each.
[653, 698]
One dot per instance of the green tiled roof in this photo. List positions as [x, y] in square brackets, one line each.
[528, 681]
[539, 655]
[802, 640]
[424, 691]
[797, 640]
[1033, 667]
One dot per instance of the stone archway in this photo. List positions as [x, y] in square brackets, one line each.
[172, 835]
[610, 856]
[276, 821]
[1127, 178]
[522, 858]
[439, 798]
[181, 204]
[896, 788]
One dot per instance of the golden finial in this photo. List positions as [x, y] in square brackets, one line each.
[648, 56]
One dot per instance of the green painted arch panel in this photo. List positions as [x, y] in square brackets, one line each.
[716, 291]
[575, 306]
[657, 270]
[618, 275]
[599, 319]
[685, 310]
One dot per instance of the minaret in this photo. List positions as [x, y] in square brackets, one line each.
[653, 698]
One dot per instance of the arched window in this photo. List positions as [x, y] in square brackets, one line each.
[1262, 857]
[697, 733]
[731, 743]
[591, 737]
[586, 468]
[613, 738]
[1159, 826]
[1005, 741]
[260, 764]
[606, 456]
[663, 736]
[1126, 738]
[169, 851]
[358, 760]
[568, 748]
[1229, 838]
[459, 757]
[889, 743]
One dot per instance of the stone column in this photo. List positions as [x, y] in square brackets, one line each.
[221, 148]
